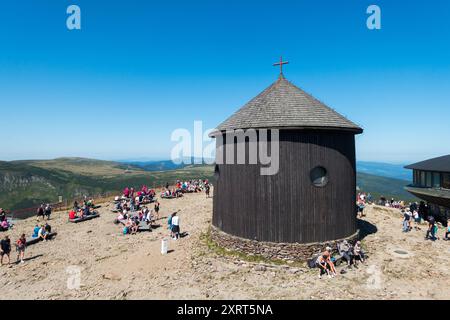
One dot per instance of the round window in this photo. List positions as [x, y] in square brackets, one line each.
[319, 176]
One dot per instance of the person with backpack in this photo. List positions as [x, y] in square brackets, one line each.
[406, 220]
[40, 212]
[5, 249]
[21, 245]
[48, 211]
[431, 229]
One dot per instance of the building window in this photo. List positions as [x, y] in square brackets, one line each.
[446, 180]
[422, 179]
[319, 176]
[429, 180]
[436, 180]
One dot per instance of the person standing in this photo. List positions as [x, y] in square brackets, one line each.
[207, 190]
[157, 210]
[21, 245]
[431, 230]
[40, 212]
[5, 249]
[48, 211]
[406, 220]
[175, 226]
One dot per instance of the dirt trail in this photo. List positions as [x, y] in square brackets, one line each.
[114, 266]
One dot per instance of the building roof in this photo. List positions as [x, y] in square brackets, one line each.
[283, 105]
[440, 164]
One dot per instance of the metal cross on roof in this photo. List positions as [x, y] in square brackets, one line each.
[281, 63]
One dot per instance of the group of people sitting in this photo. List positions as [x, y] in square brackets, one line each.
[82, 211]
[349, 253]
[132, 220]
[144, 193]
[42, 232]
[396, 204]
[191, 185]
[5, 225]
[188, 186]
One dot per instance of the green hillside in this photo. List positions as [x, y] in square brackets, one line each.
[25, 184]
[383, 186]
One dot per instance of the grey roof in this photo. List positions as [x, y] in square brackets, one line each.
[440, 164]
[283, 105]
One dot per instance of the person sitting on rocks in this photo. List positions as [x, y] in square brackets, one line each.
[345, 250]
[36, 231]
[42, 233]
[358, 252]
[322, 264]
[72, 214]
[330, 262]
[4, 225]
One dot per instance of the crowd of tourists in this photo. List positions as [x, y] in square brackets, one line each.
[82, 211]
[416, 213]
[187, 186]
[132, 217]
[41, 232]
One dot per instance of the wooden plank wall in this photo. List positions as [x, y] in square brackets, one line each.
[287, 207]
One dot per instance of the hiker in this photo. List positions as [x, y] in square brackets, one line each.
[4, 225]
[5, 249]
[42, 233]
[40, 212]
[157, 210]
[417, 219]
[36, 231]
[447, 232]
[322, 264]
[431, 229]
[21, 245]
[2, 215]
[175, 226]
[72, 214]
[48, 211]
[358, 252]
[48, 228]
[330, 262]
[207, 190]
[406, 221]
[169, 224]
[361, 210]
[134, 226]
[345, 250]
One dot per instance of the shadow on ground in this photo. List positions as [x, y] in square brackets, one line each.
[365, 228]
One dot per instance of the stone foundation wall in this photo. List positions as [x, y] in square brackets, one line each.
[271, 250]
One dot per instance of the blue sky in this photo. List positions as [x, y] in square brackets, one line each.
[137, 70]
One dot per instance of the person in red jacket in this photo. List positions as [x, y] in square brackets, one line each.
[72, 215]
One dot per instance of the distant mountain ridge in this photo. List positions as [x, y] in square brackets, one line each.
[27, 183]
[396, 171]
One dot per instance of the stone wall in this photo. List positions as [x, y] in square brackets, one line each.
[271, 250]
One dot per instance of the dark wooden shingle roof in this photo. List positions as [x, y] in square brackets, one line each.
[440, 164]
[283, 105]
